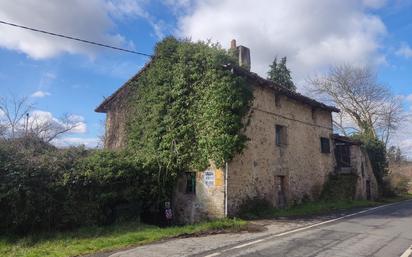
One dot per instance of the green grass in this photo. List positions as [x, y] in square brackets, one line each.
[319, 207]
[96, 239]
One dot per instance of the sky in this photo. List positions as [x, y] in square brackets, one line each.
[61, 76]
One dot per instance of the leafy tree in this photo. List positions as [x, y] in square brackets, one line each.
[280, 74]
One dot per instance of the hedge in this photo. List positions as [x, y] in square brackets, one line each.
[45, 188]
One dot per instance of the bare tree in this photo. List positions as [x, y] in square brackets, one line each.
[343, 124]
[3, 130]
[102, 138]
[370, 106]
[49, 129]
[17, 119]
[13, 111]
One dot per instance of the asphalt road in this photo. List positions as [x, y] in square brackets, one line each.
[382, 232]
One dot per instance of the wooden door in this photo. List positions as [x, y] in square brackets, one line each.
[280, 187]
[368, 190]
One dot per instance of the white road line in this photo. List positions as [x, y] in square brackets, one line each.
[308, 227]
[213, 254]
[250, 243]
[408, 252]
[326, 222]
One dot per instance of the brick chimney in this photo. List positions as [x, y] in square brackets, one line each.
[242, 53]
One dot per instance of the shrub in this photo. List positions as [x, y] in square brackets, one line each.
[45, 188]
[399, 183]
[111, 181]
[339, 187]
[32, 193]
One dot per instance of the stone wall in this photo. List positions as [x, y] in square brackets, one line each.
[362, 167]
[115, 133]
[206, 203]
[254, 173]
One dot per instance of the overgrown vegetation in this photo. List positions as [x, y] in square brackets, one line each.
[339, 188]
[96, 239]
[398, 183]
[45, 188]
[187, 109]
[192, 108]
[32, 194]
[376, 150]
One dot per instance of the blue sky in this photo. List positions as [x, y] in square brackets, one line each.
[62, 76]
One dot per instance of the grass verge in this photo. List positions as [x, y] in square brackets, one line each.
[96, 239]
[317, 208]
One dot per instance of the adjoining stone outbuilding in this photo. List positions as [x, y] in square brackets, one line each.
[290, 153]
[352, 159]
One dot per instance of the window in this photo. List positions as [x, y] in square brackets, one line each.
[190, 182]
[342, 155]
[324, 145]
[281, 137]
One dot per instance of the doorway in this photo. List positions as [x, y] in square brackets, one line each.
[368, 190]
[280, 187]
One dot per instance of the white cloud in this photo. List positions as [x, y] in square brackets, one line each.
[81, 127]
[39, 118]
[404, 50]
[75, 141]
[127, 8]
[179, 3]
[374, 3]
[313, 34]
[40, 94]
[344, 121]
[179, 6]
[131, 9]
[409, 98]
[78, 18]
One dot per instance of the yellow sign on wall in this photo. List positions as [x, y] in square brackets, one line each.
[219, 177]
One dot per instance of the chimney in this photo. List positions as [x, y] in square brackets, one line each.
[233, 44]
[242, 53]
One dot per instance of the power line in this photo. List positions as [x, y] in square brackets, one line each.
[75, 38]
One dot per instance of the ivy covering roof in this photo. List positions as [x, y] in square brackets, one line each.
[251, 76]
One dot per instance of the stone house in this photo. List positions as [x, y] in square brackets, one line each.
[291, 152]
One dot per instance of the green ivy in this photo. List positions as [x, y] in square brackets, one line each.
[376, 150]
[187, 108]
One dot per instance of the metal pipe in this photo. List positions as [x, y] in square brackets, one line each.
[226, 175]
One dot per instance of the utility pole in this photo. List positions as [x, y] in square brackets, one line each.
[27, 124]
